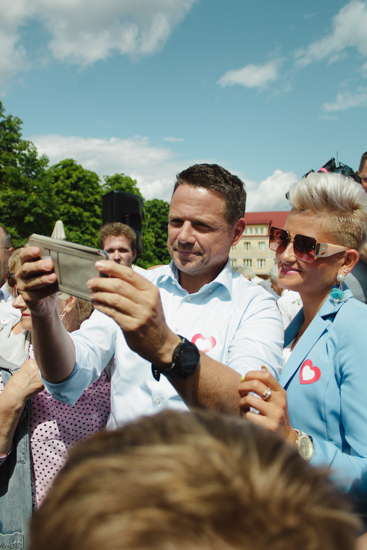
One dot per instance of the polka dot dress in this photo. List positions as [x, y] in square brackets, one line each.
[55, 427]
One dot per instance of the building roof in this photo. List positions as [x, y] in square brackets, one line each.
[276, 219]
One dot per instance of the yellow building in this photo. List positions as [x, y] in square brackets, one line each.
[253, 248]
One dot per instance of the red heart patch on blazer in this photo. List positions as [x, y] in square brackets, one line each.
[204, 343]
[308, 373]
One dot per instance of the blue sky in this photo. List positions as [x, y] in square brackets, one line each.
[267, 89]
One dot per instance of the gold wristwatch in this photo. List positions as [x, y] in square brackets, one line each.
[304, 445]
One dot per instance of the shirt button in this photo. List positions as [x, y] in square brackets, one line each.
[94, 416]
[87, 400]
[188, 298]
[158, 400]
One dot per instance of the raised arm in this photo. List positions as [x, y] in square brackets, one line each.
[54, 349]
[134, 303]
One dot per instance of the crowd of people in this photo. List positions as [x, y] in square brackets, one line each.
[280, 455]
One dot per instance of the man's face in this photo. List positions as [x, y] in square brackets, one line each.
[199, 238]
[363, 175]
[119, 250]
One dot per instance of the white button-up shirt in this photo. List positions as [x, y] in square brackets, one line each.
[230, 319]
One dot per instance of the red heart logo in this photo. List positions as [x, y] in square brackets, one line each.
[308, 373]
[204, 343]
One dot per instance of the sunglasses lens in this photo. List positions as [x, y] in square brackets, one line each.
[278, 239]
[304, 248]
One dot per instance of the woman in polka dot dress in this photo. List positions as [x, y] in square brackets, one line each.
[36, 430]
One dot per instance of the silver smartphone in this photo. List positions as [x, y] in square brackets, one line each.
[73, 263]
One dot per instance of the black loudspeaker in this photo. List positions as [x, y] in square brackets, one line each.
[123, 207]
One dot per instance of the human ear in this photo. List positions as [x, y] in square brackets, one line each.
[239, 228]
[350, 259]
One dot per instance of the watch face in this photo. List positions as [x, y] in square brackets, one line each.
[305, 447]
[190, 357]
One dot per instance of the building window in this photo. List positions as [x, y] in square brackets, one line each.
[247, 263]
[250, 230]
[261, 245]
[233, 247]
[233, 263]
[262, 230]
[247, 245]
[261, 263]
[256, 229]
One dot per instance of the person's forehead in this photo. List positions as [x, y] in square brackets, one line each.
[118, 241]
[192, 201]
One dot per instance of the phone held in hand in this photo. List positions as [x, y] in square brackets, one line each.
[73, 263]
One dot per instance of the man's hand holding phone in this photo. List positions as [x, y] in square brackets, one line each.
[37, 281]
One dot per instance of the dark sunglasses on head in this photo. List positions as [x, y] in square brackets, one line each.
[305, 248]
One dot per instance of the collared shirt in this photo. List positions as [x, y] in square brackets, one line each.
[230, 319]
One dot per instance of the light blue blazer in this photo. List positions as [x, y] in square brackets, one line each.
[326, 382]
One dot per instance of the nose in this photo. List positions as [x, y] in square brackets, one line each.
[288, 254]
[186, 234]
[19, 303]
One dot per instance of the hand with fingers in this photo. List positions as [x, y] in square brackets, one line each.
[37, 282]
[22, 385]
[261, 391]
[25, 383]
[135, 304]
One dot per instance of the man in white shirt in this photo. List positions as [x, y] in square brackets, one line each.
[194, 321]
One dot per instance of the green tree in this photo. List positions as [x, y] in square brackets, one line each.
[26, 196]
[155, 232]
[121, 182]
[79, 201]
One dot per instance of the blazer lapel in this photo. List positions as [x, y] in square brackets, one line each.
[308, 339]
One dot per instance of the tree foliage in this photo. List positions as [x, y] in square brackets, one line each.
[78, 195]
[155, 231]
[33, 196]
[26, 199]
[121, 182]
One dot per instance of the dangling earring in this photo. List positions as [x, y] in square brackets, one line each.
[340, 278]
[338, 294]
[63, 314]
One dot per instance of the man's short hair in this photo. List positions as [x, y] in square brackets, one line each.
[221, 182]
[363, 162]
[5, 237]
[117, 229]
[183, 481]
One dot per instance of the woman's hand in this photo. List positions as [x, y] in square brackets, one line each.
[273, 411]
[24, 384]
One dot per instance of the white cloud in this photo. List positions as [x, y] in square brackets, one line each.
[85, 31]
[347, 99]
[348, 31]
[269, 194]
[252, 76]
[154, 168]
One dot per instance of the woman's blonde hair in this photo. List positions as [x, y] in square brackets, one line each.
[14, 261]
[339, 201]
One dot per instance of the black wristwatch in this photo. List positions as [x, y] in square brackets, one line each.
[185, 362]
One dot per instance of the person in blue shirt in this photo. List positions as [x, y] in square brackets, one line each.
[195, 321]
[319, 403]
